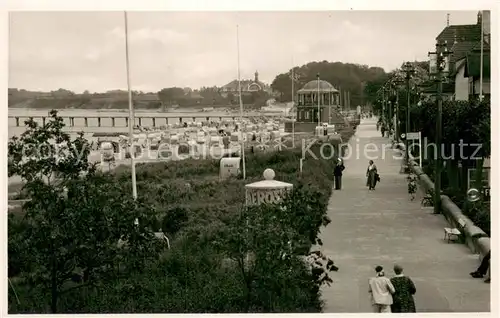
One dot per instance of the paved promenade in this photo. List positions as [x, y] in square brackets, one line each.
[384, 227]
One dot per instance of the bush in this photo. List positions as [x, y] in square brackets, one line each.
[174, 220]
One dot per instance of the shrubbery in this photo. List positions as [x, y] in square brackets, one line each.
[224, 257]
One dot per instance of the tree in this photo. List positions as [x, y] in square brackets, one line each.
[170, 95]
[270, 244]
[76, 216]
[348, 77]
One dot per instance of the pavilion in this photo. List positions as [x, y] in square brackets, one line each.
[307, 106]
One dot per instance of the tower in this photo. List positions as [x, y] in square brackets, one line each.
[256, 76]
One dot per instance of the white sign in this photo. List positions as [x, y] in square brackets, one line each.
[415, 146]
[414, 136]
[229, 167]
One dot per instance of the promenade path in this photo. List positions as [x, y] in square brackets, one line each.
[384, 227]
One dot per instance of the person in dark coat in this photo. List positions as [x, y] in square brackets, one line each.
[402, 299]
[337, 173]
[371, 175]
[483, 268]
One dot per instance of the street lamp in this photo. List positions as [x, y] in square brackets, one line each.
[395, 82]
[409, 70]
[439, 68]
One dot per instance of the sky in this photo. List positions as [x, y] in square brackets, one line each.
[86, 50]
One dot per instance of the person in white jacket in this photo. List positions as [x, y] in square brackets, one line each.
[381, 290]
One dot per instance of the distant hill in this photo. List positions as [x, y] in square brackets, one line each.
[64, 99]
[118, 99]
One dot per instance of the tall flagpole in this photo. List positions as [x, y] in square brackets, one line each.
[481, 57]
[319, 109]
[293, 106]
[241, 105]
[131, 114]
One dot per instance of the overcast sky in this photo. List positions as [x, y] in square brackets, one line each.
[86, 50]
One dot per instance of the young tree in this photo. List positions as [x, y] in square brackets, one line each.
[76, 215]
[271, 243]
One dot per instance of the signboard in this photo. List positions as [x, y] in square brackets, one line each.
[486, 183]
[229, 167]
[415, 146]
[414, 136]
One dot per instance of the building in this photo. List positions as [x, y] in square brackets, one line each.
[247, 86]
[464, 41]
[467, 64]
[307, 101]
[471, 71]
[307, 107]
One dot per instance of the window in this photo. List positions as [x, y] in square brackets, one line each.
[306, 115]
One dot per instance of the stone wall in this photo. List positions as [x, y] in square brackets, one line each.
[475, 238]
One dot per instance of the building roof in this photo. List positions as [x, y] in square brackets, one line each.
[473, 64]
[486, 45]
[245, 85]
[460, 49]
[312, 86]
[460, 33]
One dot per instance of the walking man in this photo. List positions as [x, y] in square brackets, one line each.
[381, 290]
[337, 173]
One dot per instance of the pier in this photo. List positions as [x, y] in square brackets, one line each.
[122, 120]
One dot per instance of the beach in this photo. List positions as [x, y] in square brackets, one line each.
[173, 116]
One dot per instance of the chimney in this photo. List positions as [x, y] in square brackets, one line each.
[479, 17]
[256, 76]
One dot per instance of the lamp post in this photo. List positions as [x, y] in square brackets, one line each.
[409, 70]
[438, 64]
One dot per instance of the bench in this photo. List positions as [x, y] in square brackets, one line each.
[453, 234]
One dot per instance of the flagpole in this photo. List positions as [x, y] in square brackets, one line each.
[319, 110]
[241, 105]
[131, 114]
[481, 62]
[293, 106]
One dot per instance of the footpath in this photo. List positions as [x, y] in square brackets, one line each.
[384, 227]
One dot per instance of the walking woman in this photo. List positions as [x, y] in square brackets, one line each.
[405, 289]
[371, 175]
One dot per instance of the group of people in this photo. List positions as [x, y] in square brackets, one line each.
[392, 295]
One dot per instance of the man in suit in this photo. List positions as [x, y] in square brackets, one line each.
[337, 173]
[381, 290]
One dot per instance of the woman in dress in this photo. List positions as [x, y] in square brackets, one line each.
[405, 289]
[371, 175]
